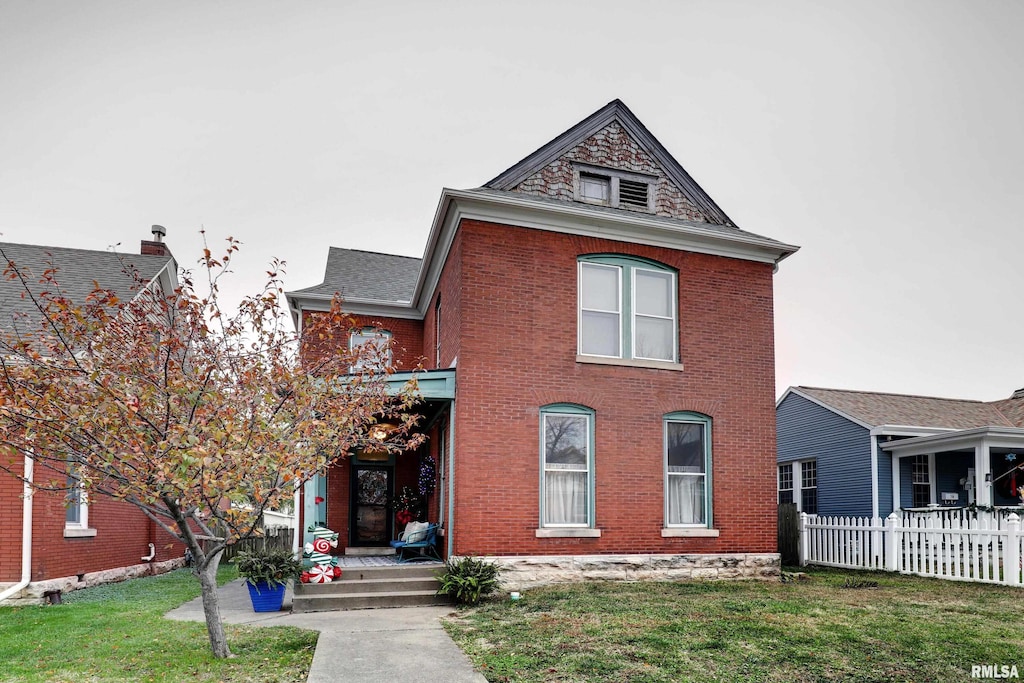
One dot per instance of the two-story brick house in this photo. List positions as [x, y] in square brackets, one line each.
[55, 541]
[599, 388]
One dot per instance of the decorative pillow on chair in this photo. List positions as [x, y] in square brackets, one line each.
[415, 532]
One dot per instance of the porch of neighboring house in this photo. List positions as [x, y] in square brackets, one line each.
[981, 467]
[362, 500]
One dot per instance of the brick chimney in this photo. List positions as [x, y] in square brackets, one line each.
[156, 246]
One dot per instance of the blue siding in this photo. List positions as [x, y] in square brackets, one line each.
[884, 484]
[906, 482]
[842, 448]
[950, 469]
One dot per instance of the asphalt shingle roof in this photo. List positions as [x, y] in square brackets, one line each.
[368, 275]
[918, 411]
[77, 270]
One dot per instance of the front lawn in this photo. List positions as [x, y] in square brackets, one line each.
[117, 632]
[906, 629]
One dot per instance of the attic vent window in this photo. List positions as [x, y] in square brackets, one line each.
[594, 188]
[614, 188]
[632, 193]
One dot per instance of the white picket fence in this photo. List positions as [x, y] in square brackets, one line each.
[981, 548]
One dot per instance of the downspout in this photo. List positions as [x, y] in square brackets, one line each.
[450, 522]
[26, 535]
[296, 511]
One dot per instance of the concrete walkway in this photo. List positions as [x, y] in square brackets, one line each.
[403, 644]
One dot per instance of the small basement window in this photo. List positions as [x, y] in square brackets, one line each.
[614, 188]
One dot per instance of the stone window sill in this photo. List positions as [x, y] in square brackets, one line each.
[685, 532]
[78, 532]
[568, 533]
[630, 363]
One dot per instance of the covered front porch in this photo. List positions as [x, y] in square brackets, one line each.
[983, 467]
[368, 498]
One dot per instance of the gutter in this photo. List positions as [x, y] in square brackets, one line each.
[26, 535]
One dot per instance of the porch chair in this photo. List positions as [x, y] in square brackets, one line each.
[423, 542]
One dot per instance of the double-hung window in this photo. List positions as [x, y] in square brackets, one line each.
[76, 511]
[687, 470]
[367, 358]
[786, 483]
[567, 466]
[809, 487]
[627, 309]
[921, 481]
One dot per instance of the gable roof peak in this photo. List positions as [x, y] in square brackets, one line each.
[615, 111]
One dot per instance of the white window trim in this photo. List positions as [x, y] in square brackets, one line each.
[673, 306]
[931, 482]
[796, 472]
[778, 483]
[580, 310]
[80, 529]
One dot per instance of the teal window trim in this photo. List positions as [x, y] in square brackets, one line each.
[687, 417]
[576, 410]
[627, 267]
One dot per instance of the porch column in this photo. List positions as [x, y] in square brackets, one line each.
[982, 473]
[895, 482]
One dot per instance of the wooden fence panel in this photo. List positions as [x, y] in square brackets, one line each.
[789, 534]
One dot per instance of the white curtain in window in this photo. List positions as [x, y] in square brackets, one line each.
[686, 499]
[565, 497]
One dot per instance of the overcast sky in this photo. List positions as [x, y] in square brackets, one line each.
[885, 138]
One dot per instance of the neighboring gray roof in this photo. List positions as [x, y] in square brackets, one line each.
[370, 275]
[613, 111]
[77, 270]
[875, 409]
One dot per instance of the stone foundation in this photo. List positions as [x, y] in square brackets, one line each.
[35, 592]
[529, 572]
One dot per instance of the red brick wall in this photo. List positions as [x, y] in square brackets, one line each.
[450, 291]
[407, 334]
[122, 535]
[517, 353]
[10, 521]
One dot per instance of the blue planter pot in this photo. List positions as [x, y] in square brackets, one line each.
[266, 598]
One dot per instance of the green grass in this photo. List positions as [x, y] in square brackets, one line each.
[117, 632]
[906, 629]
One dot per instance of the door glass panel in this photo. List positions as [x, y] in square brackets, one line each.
[371, 506]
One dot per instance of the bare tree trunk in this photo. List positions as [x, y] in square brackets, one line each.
[211, 605]
[206, 570]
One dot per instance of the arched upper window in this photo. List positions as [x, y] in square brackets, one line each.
[628, 308]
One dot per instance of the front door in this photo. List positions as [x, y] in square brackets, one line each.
[372, 491]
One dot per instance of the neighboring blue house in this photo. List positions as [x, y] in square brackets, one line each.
[853, 453]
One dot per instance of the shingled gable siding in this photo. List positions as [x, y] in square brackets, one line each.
[518, 353]
[611, 147]
[842, 448]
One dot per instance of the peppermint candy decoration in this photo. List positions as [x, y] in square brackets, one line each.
[321, 573]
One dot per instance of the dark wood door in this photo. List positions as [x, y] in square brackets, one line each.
[372, 491]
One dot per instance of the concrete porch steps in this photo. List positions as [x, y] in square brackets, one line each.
[372, 587]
